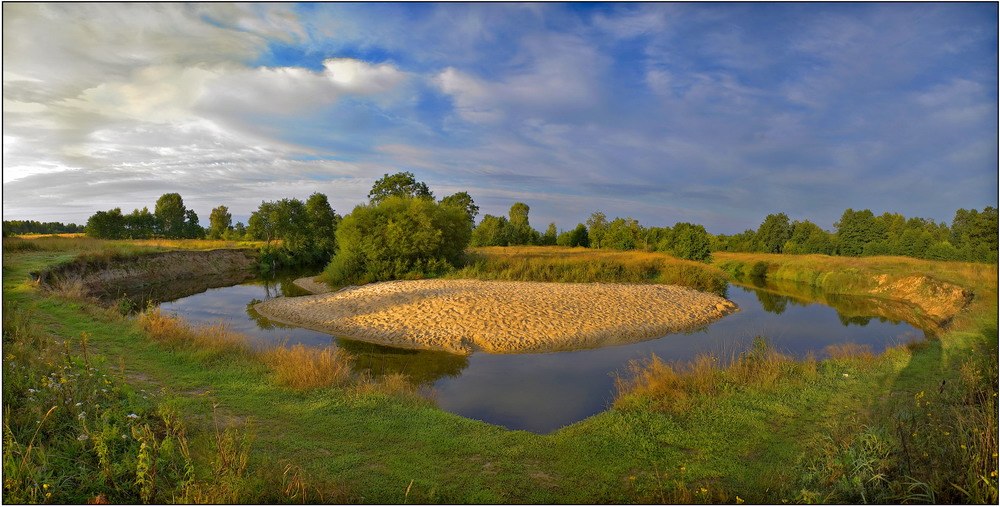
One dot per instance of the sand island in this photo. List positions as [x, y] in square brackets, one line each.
[463, 316]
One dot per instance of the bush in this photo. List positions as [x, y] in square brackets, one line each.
[400, 237]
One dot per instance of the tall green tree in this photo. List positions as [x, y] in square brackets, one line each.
[463, 201]
[170, 214]
[691, 242]
[140, 224]
[855, 230]
[219, 221]
[401, 184]
[597, 227]
[521, 232]
[323, 222]
[106, 225]
[491, 231]
[773, 233]
[549, 238]
[192, 229]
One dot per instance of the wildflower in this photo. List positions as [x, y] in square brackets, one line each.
[846, 375]
[83, 437]
[132, 416]
[739, 500]
[32, 391]
[702, 490]
[993, 473]
[79, 403]
[81, 415]
[45, 486]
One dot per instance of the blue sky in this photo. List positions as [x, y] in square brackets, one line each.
[709, 113]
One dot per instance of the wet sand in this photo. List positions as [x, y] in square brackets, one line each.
[463, 316]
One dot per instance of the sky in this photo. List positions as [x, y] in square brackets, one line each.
[716, 114]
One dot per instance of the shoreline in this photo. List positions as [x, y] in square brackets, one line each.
[466, 316]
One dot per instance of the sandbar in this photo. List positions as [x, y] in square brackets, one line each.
[463, 316]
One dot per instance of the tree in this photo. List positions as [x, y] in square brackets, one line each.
[855, 229]
[597, 227]
[140, 224]
[219, 221]
[263, 223]
[169, 212]
[398, 237]
[192, 230]
[521, 232]
[549, 238]
[576, 237]
[106, 225]
[492, 231]
[464, 201]
[322, 226]
[773, 233]
[402, 184]
[691, 242]
[622, 234]
[975, 234]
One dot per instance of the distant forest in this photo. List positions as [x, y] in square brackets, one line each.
[18, 227]
[309, 231]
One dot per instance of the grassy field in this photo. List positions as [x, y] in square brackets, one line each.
[214, 422]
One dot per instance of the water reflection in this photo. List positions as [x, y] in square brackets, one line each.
[420, 366]
[545, 391]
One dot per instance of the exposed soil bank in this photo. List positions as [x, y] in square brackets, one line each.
[310, 284]
[157, 276]
[461, 316]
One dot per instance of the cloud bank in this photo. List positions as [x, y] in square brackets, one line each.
[716, 114]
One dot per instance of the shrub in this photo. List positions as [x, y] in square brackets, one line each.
[398, 237]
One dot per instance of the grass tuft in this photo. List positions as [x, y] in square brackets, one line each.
[174, 331]
[301, 367]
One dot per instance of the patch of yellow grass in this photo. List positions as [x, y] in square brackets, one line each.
[172, 330]
[302, 367]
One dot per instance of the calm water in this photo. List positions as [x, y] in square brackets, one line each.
[543, 392]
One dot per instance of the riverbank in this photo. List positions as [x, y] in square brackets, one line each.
[462, 316]
[832, 437]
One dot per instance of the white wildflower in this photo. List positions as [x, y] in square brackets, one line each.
[82, 437]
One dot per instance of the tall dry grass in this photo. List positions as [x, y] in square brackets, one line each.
[301, 367]
[583, 265]
[174, 331]
[676, 387]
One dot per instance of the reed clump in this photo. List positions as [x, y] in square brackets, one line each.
[676, 387]
[301, 367]
[174, 331]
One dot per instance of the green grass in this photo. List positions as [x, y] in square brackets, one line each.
[812, 433]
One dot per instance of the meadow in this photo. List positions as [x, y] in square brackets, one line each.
[100, 406]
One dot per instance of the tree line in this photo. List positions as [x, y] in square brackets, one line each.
[972, 236]
[16, 227]
[403, 231]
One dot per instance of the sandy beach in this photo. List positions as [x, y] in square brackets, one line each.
[463, 316]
